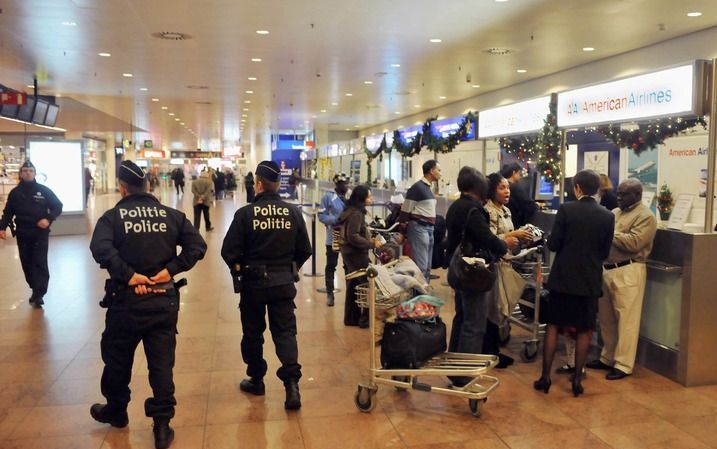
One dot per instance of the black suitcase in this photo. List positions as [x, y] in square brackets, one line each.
[409, 344]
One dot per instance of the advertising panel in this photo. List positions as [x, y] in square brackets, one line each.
[59, 167]
[514, 119]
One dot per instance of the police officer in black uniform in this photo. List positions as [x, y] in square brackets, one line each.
[136, 241]
[265, 246]
[34, 207]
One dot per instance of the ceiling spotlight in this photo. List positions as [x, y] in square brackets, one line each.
[349, 95]
[396, 65]
[347, 129]
[176, 119]
[588, 48]
[245, 109]
[247, 101]
[181, 123]
[262, 32]
[69, 24]
[334, 104]
[104, 54]
[442, 97]
[521, 71]
[356, 126]
[255, 59]
[143, 89]
[171, 114]
[248, 91]
[251, 78]
[314, 116]
[694, 14]
[435, 41]
[155, 99]
[323, 110]
[164, 108]
[397, 112]
[475, 86]
[416, 105]
[244, 115]
[127, 75]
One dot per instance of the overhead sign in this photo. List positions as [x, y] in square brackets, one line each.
[446, 127]
[13, 98]
[514, 119]
[665, 93]
[148, 144]
[196, 154]
[155, 154]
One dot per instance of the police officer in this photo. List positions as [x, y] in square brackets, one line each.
[265, 246]
[136, 242]
[34, 207]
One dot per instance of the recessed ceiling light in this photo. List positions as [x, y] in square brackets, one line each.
[356, 126]
[262, 32]
[255, 59]
[247, 101]
[155, 99]
[143, 89]
[396, 65]
[521, 71]
[164, 108]
[334, 104]
[588, 48]
[171, 114]
[435, 41]
[475, 86]
[501, 1]
[416, 105]
[69, 24]
[323, 110]
[245, 109]
[368, 82]
[694, 14]
[251, 78]
[244, 115]
[127, 75]
[181, 123]
[397, 112]
[314, 116]
[442, 97]
[176, 119]
[242, 121]
[104, 54]
[248, 91]
[347, 129]
[349, 95]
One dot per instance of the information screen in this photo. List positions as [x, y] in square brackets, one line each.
[59, 167]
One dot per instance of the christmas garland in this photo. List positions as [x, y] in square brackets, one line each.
[440, 144]
[406, 149]
[650, 135]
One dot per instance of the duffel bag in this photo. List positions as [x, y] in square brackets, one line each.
[409, 344]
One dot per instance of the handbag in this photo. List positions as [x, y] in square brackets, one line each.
[471, 270]
[409, 344]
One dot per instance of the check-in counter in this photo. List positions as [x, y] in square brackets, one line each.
[679, 314]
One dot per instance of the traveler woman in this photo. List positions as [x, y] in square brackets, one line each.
[355, 245]
[469, 323]
[249, 184]
[608, 198]
[581, 238]
[501, 225]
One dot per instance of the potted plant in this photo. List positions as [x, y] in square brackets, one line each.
[665, 201]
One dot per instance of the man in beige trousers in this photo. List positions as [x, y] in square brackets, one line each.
[624, 277]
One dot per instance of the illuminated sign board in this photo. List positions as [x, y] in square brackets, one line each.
[664, 93]
[514, 119]
[59, 167]
[446, 127]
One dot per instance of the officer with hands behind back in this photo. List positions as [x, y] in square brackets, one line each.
[34, 207]
[136, 241]
[264, 248]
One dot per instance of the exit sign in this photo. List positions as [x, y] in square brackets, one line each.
[13, 98]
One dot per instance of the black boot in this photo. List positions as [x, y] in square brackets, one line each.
[101, 413]
[163, 434]
[293, 398]
[330, 299]
[253, 386]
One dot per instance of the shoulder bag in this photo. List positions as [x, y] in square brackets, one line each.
[465, 271]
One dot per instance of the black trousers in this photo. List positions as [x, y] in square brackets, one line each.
[124, 329]
[353, 314]
[254, 306]
[457, 323]
[198, 210]
[332, 259]
[178, 185]
[33, 258]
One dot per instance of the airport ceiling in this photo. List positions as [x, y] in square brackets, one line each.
[206, 70]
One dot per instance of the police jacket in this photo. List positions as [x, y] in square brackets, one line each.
[140, 235]
[30, 202]
[268, 233]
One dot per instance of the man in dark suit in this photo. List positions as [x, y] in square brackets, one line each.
[521, 205]
[581, 237]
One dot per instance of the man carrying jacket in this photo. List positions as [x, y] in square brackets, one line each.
[332, 204]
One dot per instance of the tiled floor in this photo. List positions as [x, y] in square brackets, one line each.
[50, 369]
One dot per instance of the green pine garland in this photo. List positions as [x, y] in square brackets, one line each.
[649, 135]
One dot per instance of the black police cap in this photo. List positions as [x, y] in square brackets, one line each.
[131, 173]
[268, 170]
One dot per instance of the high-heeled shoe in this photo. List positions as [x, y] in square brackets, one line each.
[577, 386]
[542, 384]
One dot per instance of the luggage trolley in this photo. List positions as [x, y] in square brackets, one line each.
[447, 364]
[533, 272]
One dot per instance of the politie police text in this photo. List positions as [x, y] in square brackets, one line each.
[144, 224]
[270, 217]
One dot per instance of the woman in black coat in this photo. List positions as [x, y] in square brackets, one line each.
[355, 245]
[467, 213]
[249, 185]
[581, 237]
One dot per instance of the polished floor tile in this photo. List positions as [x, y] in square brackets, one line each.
[50, 369]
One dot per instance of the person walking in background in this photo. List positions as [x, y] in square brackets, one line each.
[265, 247]
[219, 183]
[332, 204]
[608, 199]
[624, 277]
[33, 207]
[418, 216]
[203, 190]
[522, 207]
[88, 183]
[249, 185]
[581, 238]
[178, 178]
[142, 302]
[468, 222]
[355, 245]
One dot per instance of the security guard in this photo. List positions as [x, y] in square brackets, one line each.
[34, 207]
[265, 246]
[136, 241]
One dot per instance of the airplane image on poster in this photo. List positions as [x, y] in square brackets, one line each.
[644, 168]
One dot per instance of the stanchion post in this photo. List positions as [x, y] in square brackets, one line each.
[313, 245]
